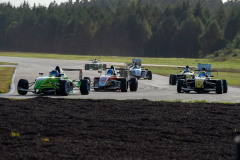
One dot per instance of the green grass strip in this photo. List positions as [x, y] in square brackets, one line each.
[228, 68]
[231, 63]
[6, 74]
[6, 63]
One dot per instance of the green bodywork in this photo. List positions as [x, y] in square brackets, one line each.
[51, 83]
[96, 66]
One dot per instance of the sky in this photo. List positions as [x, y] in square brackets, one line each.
[42, 2]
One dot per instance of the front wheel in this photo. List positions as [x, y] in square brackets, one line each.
[219, 87]
[123, 85]
[225, 86]
[64, 87]
[85, 87]
[179, 86]
[22, 84]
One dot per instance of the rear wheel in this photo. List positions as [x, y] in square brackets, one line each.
[64, 87]
[85, 87]
[133, 84]
[123, 85]
[86, 66]
[87, 79]
[219, 87]
[174, 79]
[170, 79]
[22, 84]
[179, 86]
[149, 75]
[225, 86]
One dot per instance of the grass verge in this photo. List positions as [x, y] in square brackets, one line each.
[228, 68]
[232, 62]
[6, 63]
[6, 74]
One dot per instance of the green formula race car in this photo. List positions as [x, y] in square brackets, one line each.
[95, 65]
[56, 83]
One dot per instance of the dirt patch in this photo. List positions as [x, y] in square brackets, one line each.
[110, 129]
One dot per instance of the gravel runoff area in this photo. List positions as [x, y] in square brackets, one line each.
[49, 128]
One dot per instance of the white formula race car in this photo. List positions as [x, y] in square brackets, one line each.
[135, 70]
[185, 74]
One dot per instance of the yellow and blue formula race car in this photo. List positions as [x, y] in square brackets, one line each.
[203, 82]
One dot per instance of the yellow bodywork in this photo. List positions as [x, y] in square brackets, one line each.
[199, 83]
[188, 76]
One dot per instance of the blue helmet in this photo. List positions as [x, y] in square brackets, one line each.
[54, 73]
[110, 71]
[202, 73]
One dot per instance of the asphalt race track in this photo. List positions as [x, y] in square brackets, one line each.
[155, 89]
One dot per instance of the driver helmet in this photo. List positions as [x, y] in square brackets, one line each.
[110, 71]
[203, 72]
[54, 73]
[187, 69]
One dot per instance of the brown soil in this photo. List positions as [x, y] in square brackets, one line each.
[110, 129]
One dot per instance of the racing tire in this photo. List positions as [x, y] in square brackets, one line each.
[170, 79]
[219, 87]
[123, 85]
[22, 84]
[85, 87]
[104, 67]
[149, 75]
[225, 86]
[174, 79]
[86, 66]
[64, 87]
[179, 86]
[87, 79]
[133, 84]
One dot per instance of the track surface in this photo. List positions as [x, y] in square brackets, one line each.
[156, 89]
[51, 128]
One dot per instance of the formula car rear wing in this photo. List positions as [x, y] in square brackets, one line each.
[207, 71]
[80, 72]
[191, 68]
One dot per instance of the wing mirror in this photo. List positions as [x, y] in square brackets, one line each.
[40, 74]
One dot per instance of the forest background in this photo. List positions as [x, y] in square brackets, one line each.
[141, 28]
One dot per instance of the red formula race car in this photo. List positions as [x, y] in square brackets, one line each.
[114, 81]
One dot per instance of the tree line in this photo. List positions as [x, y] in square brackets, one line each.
[150, 28]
